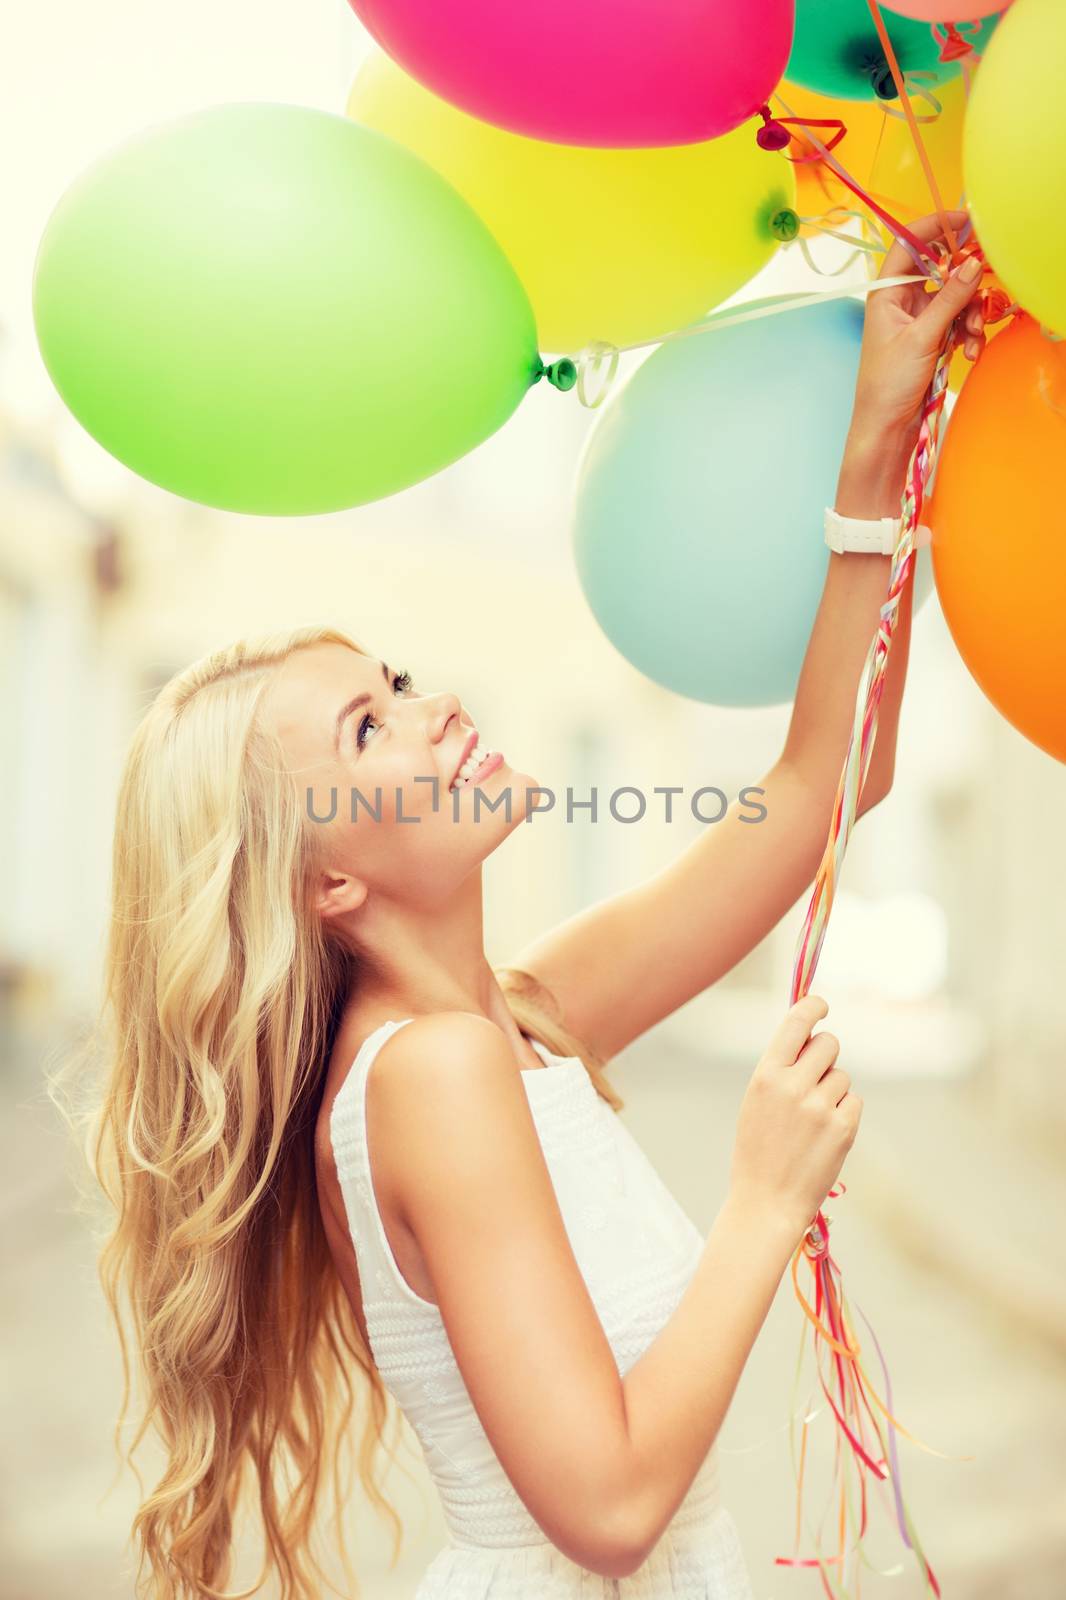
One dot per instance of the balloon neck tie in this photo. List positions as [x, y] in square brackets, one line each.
[785, 224]
[954, 45]
[882, 81]
[995, 305]
[561, 374]
[772, 135]
[591, 372]
[884, 85]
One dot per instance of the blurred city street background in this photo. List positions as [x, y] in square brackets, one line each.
[943, 965]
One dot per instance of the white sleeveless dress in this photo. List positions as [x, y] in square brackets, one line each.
[636, 1249]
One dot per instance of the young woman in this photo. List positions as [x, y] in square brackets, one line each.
[350, 1157]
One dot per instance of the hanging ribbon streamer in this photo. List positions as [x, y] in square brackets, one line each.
[833, 1328]
[829, 1315]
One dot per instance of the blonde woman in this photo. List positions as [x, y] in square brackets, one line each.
[349, 1158]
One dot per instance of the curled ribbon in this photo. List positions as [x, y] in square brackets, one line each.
[916, 79]
[821, 225]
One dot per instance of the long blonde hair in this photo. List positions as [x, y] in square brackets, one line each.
[220, 1005]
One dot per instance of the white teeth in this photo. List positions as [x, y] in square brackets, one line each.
[470, 765]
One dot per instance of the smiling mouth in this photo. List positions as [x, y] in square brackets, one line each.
[470, 767]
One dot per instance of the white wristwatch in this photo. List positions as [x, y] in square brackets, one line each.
[876, 536]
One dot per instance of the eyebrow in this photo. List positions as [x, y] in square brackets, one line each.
[353, 705]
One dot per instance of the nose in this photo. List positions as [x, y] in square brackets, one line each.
[444, 708]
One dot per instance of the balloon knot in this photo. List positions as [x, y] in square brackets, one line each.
[882, 82]
[995, 305]
[772, 135]
[561, 374]
[953, 46]
[785, 224]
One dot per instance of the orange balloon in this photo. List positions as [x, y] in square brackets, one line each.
[999, 560]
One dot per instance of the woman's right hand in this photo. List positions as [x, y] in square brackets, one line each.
[797, 1121]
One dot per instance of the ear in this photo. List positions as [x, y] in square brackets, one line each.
[339, 893]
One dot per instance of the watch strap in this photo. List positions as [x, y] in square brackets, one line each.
[871, 536]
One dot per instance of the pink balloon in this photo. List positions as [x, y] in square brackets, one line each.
[593, 72]
[946, 10]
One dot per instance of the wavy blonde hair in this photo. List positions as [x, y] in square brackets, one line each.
[220, 1005]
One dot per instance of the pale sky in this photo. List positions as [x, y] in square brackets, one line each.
[79, 78]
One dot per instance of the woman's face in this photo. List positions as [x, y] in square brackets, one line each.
[360, 738]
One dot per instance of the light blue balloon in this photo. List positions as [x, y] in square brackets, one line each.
[697, 522]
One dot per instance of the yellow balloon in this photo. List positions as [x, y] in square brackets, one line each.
[1012, 157]
[879, 152]
[620, 245]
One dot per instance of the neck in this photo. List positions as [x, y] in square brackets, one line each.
[414, 960]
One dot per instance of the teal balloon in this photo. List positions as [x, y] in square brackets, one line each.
[701, 490]
[271, 309]
[836, 50]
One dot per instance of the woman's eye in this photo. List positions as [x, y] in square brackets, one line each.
[401, 682]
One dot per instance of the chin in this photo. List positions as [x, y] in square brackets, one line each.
[507, 778]
[518, 783]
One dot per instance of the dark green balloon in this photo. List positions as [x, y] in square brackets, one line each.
[836, 50]
[272, 309]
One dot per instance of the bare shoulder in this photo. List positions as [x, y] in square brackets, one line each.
[446, 1045]
[437, 1042]
[448, 1070]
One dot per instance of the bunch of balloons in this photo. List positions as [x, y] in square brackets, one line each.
[271, 309]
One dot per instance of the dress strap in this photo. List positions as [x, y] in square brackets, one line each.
[380, 1277]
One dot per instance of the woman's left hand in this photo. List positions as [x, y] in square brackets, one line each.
[903, 332]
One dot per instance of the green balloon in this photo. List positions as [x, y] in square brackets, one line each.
[271, 309]
[836, 50]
